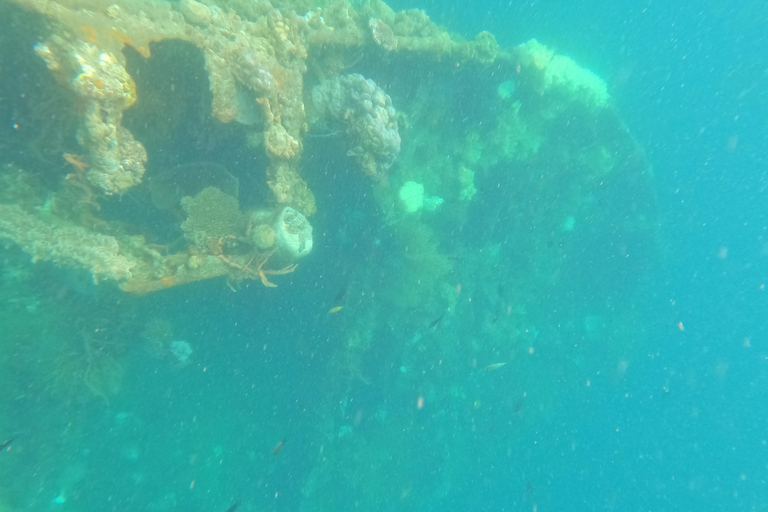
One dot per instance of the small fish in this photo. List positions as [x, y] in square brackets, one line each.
[90, 33]
[494, 366]
[6, 445]
[77, 161]
[121, 37]
[234, 507]
[279, 447]
[341, 294]
[335, 309]
[436, 323]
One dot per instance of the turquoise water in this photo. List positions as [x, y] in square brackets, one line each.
[627, 307]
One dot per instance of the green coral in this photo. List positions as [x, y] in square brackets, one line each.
[515, 138]
[420, 266]
[467, 181]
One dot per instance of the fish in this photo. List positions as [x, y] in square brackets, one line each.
[528, 491]
[6, 445]
[90, 33]
[121, 37]
[494, 366]
[436, 323]
[335, 309]
[234, 507]
[341, 294]
[77, 161]
[279, 447]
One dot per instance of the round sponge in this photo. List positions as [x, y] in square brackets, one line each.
[293, 234]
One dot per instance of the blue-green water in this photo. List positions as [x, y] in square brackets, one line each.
[629, 309]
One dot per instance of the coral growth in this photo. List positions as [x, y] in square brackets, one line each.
[258, 58]
[105, 90]
[382, 34]
[211, 215]
[368, 117]
[526, 158]
[65, 244]
[557, 74]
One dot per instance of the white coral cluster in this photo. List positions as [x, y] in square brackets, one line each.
[561, 74]
[368, 117]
